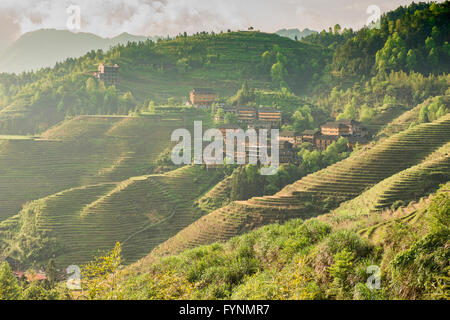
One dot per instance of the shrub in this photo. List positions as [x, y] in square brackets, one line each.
[416, 271]
[440, 213]
[397, 204]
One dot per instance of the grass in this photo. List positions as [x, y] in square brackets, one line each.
[312, 259]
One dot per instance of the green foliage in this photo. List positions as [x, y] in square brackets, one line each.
[9, 287]
[315, 160]
[406, 36]
[433, 111]
[247, 182]
[440, 213]
[98, 276]
[37, 291]
[393, 55]
[244, 96]
[341, 269]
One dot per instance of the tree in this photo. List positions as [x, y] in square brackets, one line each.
[349, 112]
[99, 276]
[244, 95]
[337, 29]
[393, 55]
[423, 114]
[231, 118]
[151, 107]
[411, 59]
[433, 58]
[91, 85]
[277, 72]
[219, 115]
[51, 272]
[110, 101]
[9, 287]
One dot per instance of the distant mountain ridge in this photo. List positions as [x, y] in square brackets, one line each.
[292, 33]
[43, 48]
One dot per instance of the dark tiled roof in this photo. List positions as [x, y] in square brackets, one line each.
[243, 108]
[227, 108]
[203, 91]
[310, 132]
[333, 125]
[324, 137]
[288, 134]
[269, 110]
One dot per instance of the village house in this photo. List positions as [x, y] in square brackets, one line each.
[108, 74]
[354, 127]
[288, 136]
[202, 97]
[286, 153]
[247, 114]
[31, 276]
[270, 115]
[262, 118]
[310, 136]
[323, 141]
[335, 129]
[228, 127]
[330, 132]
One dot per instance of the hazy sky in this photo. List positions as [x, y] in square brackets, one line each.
[162, 17]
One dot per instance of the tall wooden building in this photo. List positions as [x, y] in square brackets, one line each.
[202, 97]
[109, 74]
[270, 115]
[247, 114]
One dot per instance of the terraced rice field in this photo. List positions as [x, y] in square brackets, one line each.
[217, 196]
[407, 185]
[335, 184]
[140, 212]
[86, 150]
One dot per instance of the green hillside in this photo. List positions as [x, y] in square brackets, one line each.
[154, 71]
[85, 167]
[309, 260]
[85, 150]
[321, 191]
[72, 226]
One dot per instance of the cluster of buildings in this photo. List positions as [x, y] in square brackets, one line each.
[329, 132]
[248, 148]
[254, 118]
[268, 118]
